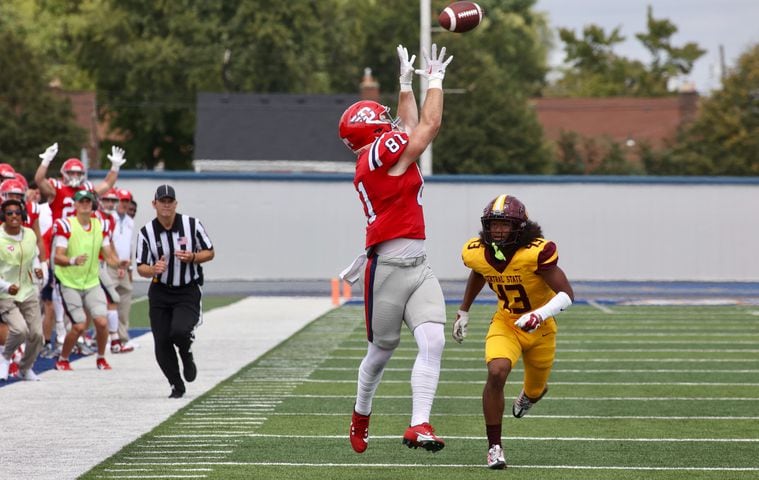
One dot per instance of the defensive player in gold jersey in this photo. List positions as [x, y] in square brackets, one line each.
[521, 267]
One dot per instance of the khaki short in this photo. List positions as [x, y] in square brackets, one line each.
[108, 284]
[77, 303]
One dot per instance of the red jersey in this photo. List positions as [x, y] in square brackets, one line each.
[392, 205]
[62, 204]
[32, 213]
[109, 225]
[106, 219]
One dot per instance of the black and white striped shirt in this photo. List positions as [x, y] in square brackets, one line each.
[154, 242]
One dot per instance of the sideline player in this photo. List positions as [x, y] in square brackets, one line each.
[78, 241]
[521, 267]
[399, 286]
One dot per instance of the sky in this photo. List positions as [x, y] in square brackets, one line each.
[710, 23]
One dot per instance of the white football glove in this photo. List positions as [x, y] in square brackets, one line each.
[49, 154]
[436, 65]
[529, 322]
[117, 158]
[407, 68]
[459, 326]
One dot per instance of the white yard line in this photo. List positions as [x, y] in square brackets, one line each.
[598, 306]
[430, 466]
[120, 405]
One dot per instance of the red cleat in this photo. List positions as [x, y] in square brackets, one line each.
[423, 435]
[13, 370]
[63, 365]
[102, 364]
[359, 432]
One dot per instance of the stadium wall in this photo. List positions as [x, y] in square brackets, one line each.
[310, 226]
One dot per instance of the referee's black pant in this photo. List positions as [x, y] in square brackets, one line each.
[174, 313]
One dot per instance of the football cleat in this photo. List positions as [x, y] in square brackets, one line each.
[496, 460]
[359, 432]
[13, 370]
[63, 365]
[5, 366]
[29, 376]
[103, 364]
[84, 349]
[522, 404]
[118, 347]
[48, 351]
[423, 435]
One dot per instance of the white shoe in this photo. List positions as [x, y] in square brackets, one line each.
[496, 460]
[4, 366]
[523, 404]
[29, 376]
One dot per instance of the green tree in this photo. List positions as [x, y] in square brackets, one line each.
[596, 71]
[488, 125]
[31, 116]
[724, 139]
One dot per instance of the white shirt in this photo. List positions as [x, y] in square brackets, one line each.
[122, 236]
[46, 217]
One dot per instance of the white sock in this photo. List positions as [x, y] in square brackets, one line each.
[430, 339]
[60, 327]
[113, 321]
[369, 376]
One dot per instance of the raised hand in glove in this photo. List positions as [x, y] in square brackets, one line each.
[459, 326]
[407, 68]
[436, 65]
[49, 154]
[117, 158]
[529, 322]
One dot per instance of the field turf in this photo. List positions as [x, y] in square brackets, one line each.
[637, 392]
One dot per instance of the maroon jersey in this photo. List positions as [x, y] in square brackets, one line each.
[62, 204]
[392, 204]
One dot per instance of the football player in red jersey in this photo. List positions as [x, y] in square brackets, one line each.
[60, 192]
[399, 286]
[521, 267]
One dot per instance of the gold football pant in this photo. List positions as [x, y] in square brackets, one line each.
[538, 349]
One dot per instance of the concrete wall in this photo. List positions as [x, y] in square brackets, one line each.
[621, 228]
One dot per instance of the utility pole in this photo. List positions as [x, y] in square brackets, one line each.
[425, 40]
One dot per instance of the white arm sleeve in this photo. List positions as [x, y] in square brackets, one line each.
[557, 304]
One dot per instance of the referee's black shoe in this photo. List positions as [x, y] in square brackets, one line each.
[190, 370]
[176, 392]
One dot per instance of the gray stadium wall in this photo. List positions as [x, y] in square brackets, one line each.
[291, 226]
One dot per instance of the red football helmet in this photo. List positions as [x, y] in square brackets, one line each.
[363, 122]
[73, 172]
[124, 194]
[504, 207]
[109, 206]
[7, 171]
[21, 178]
[13, 190]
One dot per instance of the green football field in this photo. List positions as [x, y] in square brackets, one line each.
[637, 392]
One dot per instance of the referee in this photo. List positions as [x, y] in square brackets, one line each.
[170, 250]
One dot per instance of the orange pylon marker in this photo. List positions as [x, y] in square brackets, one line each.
[347, 294]
[335, 292]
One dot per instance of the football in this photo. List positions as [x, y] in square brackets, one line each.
[460, 17]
